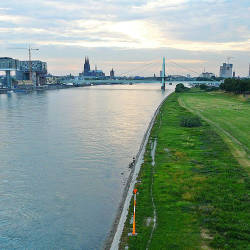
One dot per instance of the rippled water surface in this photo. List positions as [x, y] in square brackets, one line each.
[62, 155]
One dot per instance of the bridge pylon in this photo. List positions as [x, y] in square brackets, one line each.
[163, 75]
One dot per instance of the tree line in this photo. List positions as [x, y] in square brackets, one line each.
[237, 86]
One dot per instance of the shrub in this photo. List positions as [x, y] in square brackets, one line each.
[180, 88]
[203, 86]
[190, 121]
[213, 88]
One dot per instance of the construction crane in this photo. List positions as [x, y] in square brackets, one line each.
[30, 63]
[228, 59]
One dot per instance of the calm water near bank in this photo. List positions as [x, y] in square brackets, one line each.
[62, 155]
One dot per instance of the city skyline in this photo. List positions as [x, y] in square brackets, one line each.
[194, 34]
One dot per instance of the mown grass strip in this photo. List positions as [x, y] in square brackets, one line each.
[228, 115]
[201, 192]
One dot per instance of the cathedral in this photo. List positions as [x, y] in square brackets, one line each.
[86, 67]
[92, 73]
[112, 74]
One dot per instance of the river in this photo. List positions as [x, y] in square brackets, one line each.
[64, 157]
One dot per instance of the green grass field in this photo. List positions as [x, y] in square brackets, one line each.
[200, 191]
[229, 115]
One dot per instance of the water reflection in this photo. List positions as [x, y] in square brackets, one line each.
[62, 154]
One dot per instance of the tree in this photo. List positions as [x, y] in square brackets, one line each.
[237, 86]
[180, 88]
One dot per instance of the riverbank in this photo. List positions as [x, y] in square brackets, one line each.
[199, 189]
[113, 239]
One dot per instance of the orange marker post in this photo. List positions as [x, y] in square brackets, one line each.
[135, 191]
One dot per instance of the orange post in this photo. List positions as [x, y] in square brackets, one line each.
[135, 191]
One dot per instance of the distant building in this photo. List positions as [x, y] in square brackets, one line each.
[207, 75]
[8, 64]
[112, 74]
[38, 69]
[226, 70]
[2, 80]
[96, 73]
[86, 67]
[90, 73]
[22, 69]
[177, 78]
[138, 78]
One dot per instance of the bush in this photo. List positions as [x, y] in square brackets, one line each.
[180, 88]
[208, 88]
[203, 86]
[191, 121]
[213, 88]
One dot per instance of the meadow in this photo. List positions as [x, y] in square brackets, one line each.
[228, 114]
[197, 188]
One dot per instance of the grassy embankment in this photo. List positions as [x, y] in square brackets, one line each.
[200, 191]
[229, 116]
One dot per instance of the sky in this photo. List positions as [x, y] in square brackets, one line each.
[130, 36]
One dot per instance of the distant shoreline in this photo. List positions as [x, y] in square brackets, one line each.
[31, 88]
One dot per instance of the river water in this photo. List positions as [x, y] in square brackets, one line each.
[64, 158]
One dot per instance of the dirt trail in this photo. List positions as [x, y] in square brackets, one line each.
[239, 150]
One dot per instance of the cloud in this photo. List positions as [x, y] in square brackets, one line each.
[194, 26]
[5, 18]
[157, 5]
[1, 9]
[187, 61]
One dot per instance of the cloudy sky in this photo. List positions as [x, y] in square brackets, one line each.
[129, 35]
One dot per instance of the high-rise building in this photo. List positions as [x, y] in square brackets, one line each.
[249, 71]
[226, 70]
[112, 74]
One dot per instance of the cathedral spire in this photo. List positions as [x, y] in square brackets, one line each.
[86, 66]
